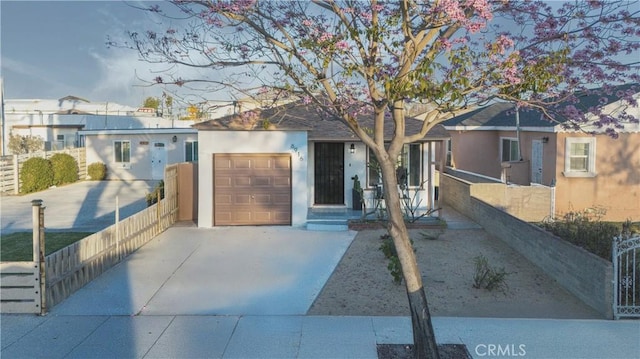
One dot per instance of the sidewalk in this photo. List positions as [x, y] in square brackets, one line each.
[304, 336]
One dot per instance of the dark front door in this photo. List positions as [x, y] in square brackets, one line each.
[329, 173]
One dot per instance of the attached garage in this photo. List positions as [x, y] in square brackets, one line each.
[252, 189]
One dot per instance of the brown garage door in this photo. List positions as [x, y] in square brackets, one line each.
[252, 189]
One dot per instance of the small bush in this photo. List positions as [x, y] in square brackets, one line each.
[585, 229]
[97, 171]
[487, 277]
[36, 175]
[388, 248]
[65, 168]
[152, 198]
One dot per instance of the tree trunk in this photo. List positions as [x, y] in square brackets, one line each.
[424, 341]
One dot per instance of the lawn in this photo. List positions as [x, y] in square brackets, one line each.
[18, 246]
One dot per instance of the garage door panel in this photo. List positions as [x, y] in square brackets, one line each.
[222, 163]
[242, 181]
[282, 163]
[282, 182]
[241, 163]
[281, 199]
[262, 181]
[242, 199]
[223, 199]
[222, 181]
[263, 163]
[252, 189]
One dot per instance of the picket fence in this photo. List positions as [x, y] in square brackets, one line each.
[70, 268]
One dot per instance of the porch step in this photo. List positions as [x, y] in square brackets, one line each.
[327, 225]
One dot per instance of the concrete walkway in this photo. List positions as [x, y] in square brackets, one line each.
[205, 336]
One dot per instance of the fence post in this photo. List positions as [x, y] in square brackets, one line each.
[158, 212]
[39, 250]
[16, 175]
[118, 227]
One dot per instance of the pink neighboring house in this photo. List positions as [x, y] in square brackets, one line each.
[588, 168]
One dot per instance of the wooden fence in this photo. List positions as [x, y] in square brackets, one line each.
[69, 269]
[21, 287]
[72, 267]
[10, 167]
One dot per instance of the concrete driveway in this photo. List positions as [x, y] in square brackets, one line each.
[221, 271]
[87, 206]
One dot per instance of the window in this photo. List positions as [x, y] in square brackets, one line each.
[509, 150]
[374, 176]
[409, 166]
[449, 154]
[122, 151]
[191, 151]
[580, 157]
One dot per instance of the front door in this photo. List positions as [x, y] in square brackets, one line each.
[536, 161]
[329, 173]
[158, 160]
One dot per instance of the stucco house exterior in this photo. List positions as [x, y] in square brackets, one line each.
[139, 154]
[270, 169]
[587, 168]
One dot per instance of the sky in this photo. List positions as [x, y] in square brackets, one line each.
[51, 49]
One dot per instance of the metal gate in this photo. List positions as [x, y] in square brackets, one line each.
[626, 277]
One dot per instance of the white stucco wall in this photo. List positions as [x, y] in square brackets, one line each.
[289, 142]
[100, 148]
[356, 163]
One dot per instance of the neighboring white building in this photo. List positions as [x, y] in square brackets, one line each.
[140, 154]
[57, 122]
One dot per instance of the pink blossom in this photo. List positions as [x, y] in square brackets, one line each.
[306, 100]
[325, 37]
[342, 45]
[503, 42]
[307, 22]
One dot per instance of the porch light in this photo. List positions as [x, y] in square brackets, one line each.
[352, 148]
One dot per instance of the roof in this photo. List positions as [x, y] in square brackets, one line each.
[502, 115]
[320, 126]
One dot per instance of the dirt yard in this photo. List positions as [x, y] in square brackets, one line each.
[362, 284]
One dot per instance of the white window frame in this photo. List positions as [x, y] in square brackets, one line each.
[194, 151]
[512, 141]
[591, 157]
[115, 157]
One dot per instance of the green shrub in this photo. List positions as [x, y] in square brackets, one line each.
[36, 175]
[585, 229]
[388, 248]
[152, 198]
[65, 168]
[97, 171]
[488, 277]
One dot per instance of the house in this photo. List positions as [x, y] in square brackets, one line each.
[270, 167]
[57, 122]
[139, 154]
[587, 168]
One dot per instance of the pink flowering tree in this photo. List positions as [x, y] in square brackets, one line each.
[355, 59]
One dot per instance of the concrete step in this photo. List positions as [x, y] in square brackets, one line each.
[327, 225]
